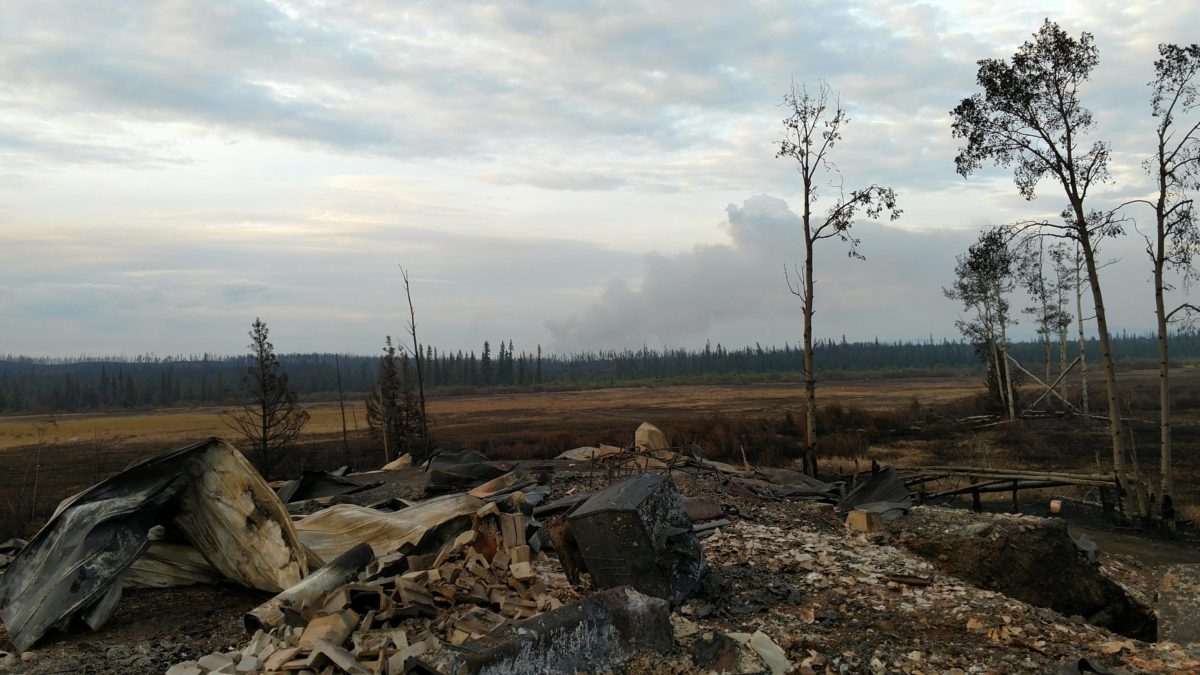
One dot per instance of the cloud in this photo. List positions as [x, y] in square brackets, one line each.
[318, 291]
[581, 181]
[557, 86]
[735, 292]
[172, 169]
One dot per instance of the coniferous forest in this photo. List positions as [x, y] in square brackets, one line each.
[66, 385]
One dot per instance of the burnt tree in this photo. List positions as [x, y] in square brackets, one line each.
[270, 419]
[810, 131]
[1028, 116]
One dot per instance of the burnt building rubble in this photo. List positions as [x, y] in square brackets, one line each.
[647, 558]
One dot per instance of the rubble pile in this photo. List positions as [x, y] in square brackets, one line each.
[835, 602]
[490, 577]
[1029, 558]
[691, 566]
[400, 608]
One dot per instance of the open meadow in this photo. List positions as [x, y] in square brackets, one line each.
[902, 421]
[472, 418]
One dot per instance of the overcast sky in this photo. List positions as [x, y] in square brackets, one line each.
[574, 174]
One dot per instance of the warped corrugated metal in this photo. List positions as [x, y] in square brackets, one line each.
[207, 492]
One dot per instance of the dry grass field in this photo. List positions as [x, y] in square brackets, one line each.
[473, 417]
[897, 421]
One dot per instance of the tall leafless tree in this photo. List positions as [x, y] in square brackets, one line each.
[426, 447]
[1175, 168]
[811, 130]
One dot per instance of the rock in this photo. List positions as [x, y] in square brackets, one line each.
[977, 529]
[119, 654]
[638, 533]
[715, 651]
[595, 634]
[28, 657]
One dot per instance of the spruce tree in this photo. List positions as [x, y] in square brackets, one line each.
[270, 419]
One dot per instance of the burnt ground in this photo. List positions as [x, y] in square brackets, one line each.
[152, 629]
[827, 596]
[1142, 551]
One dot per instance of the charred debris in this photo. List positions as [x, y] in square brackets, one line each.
[645, 558]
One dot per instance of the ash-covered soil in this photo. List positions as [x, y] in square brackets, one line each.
[834, 600]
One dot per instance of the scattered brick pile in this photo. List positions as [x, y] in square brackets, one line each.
[390, 622]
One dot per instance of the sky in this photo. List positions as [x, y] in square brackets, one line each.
[579, 175]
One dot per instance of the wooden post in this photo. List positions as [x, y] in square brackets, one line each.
[337, 364]
[1016, 506]
[1120, 502]
[921, 494]
[976, 504]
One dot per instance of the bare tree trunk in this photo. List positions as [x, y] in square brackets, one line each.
[412, 329]
[989, 322]
[1062, 359]
[1044, 302]
[1165, 480]
[1007, 373]
[337, 365]
[37, 474]
[265, 447]
[810, 377]
[1049, 359]
[1060, 320]
[1106, 359]
[1083, 387]
[1139, 487]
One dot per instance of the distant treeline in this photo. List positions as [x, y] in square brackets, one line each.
[81, 384]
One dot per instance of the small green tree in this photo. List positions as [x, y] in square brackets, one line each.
[485, 365]
[270, 419]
